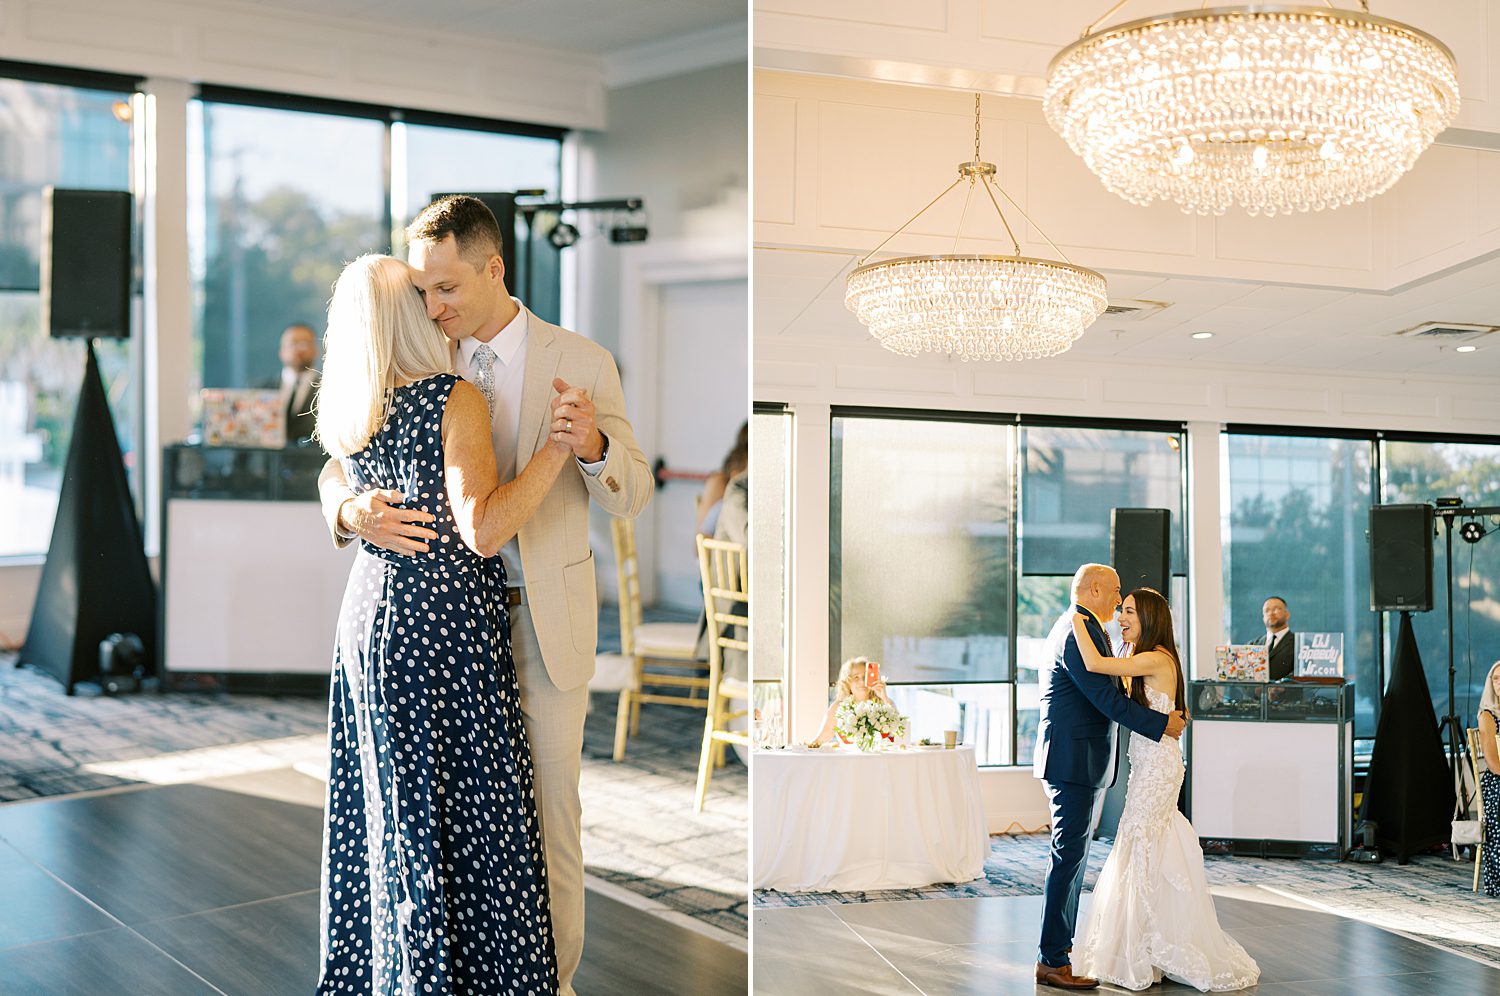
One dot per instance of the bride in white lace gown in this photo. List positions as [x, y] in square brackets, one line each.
[1152, 914]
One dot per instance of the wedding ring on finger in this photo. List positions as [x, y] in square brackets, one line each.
[570, 425]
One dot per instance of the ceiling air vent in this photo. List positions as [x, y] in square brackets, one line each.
[1448, 331]
[1129, 310]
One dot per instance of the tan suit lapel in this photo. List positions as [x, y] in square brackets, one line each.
[542, 359]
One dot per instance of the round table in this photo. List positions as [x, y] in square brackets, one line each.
[843, 821]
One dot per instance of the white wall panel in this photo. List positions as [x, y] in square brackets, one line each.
[931, 15]
[886, 379]
[776, 160]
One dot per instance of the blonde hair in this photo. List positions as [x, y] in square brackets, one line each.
[845, 689]
[378, 336]
[1487, 700]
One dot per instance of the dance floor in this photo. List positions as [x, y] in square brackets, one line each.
[212, 887]
[988, 945]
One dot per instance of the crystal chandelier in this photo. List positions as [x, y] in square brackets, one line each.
[1275, 109]
[972, 306]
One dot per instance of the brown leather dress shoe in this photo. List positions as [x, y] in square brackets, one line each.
[1063, 978]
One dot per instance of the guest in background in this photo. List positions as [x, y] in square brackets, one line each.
[298, 382]
[1278, 637]
[1489, 781]
[712, 498]
[853, 684]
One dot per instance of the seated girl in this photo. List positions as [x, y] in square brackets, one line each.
[854, 683]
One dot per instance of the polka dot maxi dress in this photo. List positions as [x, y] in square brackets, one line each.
[433, 880]
[1489, 795]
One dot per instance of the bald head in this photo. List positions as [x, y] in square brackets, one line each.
[1096, 587]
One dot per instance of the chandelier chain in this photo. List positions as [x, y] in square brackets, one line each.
[976, 128]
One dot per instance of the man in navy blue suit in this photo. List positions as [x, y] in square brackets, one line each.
[1075, 759]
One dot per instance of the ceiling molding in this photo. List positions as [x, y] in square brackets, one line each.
[687, 53]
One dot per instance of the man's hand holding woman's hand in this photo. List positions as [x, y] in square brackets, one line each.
[573, 422]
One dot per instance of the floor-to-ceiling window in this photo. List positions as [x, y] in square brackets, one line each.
[953, 538]
[71, 130]
[1072, 477]
[281, 199]
[284, 191]
[1295, 512]
[1424, 470]
[770, 549]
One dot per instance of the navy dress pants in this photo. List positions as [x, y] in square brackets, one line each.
[1072, 822]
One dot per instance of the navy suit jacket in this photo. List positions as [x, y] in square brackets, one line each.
[1073, 742]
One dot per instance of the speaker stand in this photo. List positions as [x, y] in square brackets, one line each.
[1451, 725]
[96, 580]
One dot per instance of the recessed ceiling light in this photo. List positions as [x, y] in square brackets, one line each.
[1466, 349]
[1203, 335]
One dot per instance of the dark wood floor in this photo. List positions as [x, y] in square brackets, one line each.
[213, 888]
[960, 946]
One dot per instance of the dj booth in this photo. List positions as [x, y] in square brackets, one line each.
[1270, 767]
[251, 581]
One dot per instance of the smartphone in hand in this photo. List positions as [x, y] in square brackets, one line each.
[872, 672]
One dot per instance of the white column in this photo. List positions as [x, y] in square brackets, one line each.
[1205, 545]
[167, 336]
[807, 675]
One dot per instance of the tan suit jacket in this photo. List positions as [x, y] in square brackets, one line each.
[561, 589]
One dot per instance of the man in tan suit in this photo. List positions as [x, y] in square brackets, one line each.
[517, 361]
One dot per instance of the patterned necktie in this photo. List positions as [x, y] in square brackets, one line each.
[484, 373]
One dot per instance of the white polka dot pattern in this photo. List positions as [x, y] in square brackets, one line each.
[433, 880]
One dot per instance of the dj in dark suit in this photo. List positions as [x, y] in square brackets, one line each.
[1278, 636]
[1075, 758]
[298, 382]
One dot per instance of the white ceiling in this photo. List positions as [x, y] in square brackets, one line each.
[597, 27]
[801, 294]
[799, 290]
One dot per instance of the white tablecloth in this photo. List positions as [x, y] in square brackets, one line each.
[839, 820]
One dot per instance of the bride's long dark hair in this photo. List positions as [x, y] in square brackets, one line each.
[1155, 620]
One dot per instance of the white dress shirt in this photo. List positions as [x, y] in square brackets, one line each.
[509, 369]
[1272, 639]
[296, 389]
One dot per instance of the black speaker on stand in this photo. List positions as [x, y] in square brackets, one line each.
[1405, 793]
[1140, 549]
[96, 584]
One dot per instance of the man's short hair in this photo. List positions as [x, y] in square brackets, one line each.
[1278, 598]
[475, 232]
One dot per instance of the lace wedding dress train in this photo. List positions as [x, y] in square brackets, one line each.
[1152, 914]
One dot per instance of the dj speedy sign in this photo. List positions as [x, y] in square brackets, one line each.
[1320, 655]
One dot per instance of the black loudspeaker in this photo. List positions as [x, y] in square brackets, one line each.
[1140, 545]
[1401, 558]
[86, 263]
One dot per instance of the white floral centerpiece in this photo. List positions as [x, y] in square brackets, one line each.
[870, 724]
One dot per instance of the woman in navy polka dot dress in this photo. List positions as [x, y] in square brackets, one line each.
[1489, 781]
[433, 877]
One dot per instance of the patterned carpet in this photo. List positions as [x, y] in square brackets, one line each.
[1429, 899]
[639, 832]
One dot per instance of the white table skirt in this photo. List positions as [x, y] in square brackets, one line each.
[842, 821]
